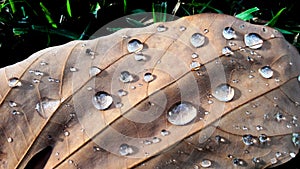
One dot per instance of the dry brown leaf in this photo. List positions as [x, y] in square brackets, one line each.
[50, 119]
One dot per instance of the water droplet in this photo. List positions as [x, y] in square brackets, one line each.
[248, 139]
[36, 72]
[12, 104]
[237, 161]
[66, 133]
[273, 160]
[251, 76]
[125, 149]
[223, 92]
[148, 77]
[205, 163]
[205, 31]
[134, 45]
[266, 72]
[298, 78]
[164, 132]
[140, 57]
[256, 160]
[46, 107]
[229, 33]
[292, 154]
[182, 28]
[10, 140]
[197, 40]
[263, 138]
[195, 65]
[43, 63]
[259, 128]
[119, 105]
[96, 148]
[15, 112]
[161, 28]
[195, 55]
[73, 69]
[182, 113]
[227, 51]
[90, 52]
[296, 139]
[14, 82]
[94, 70]
[71, 161]
[253, 40]
[122, 92]
[279, 117]
[156, 140]
[147, 142]
[220, 139]
[126, 77]
[102, 100]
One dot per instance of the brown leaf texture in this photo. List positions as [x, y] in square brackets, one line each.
[49, 118]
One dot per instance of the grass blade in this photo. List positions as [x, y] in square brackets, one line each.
[247, 15]
[273, 21]
[47, 15]
[12, 5]
[69, 8]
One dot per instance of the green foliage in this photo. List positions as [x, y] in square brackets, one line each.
[247, 15]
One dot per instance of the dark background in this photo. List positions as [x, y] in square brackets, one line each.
[18, 40]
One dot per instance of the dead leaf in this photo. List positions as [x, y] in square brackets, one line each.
[48, 116]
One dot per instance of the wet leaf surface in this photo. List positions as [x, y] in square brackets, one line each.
[185, 104]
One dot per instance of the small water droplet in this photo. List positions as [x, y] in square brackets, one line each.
[156, 140]
[293, 154]
[248, 139]
[279, 117]
[140, 57]
[229, 33]
[73, 69]
[205, 31]
[182, 28]
[296, 139]
[223, 92]
[263, 138]
[195, 55]
[182, 113]
[164, 132]
[90, 52]
[256, 160]
[148, 77]
[195, 65]
[227, 51]
[273, 160]
[15, 112]
[147, 142]
[220, 139]
[161, 28]
[102, 100]
[119, 105]
[94, 70]
[237, 161]
[122, 92]
[10, 140]
[43, 63]
[298, 78]
[125, 149]
[14, 82]
[126, 77]
[66, 133]
[135, 46]
[96, 148]
[278, 154]
[266, 72]
[259, 128]
[46, 106]
[253, 40]
[197, 40]
[205, 163]
[71, 161]
[210, 101]
[250, 59]
[12, 104]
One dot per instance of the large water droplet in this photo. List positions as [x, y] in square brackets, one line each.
[266, 72]
[139, 57]
[102, 100]
[161, 28]
[126, 77]
[197, 40]
[182, 113]
[223, 92]
[253, 40]
[148, 77]
[125, 149]
[229, 33]
[94, 70]
[248, 139]
[205, 163]
[46, 106]
[14, 82]
[134, 45]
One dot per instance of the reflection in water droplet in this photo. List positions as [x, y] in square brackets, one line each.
[94, 70]
[161, 28]
[253, 40]
[197, 40]
[205, 163]
[14, 82]
[134, 45]
[182, 114]
[10, 140]
[164, 132]
[227, 51]
[195, 65]
[125, 149]
[229, 33]
[102, 100]
[223, 92]
[46, 107]
[126, 77]
[148, 77]
[139, 57]
[266, 72]
[248, 139]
